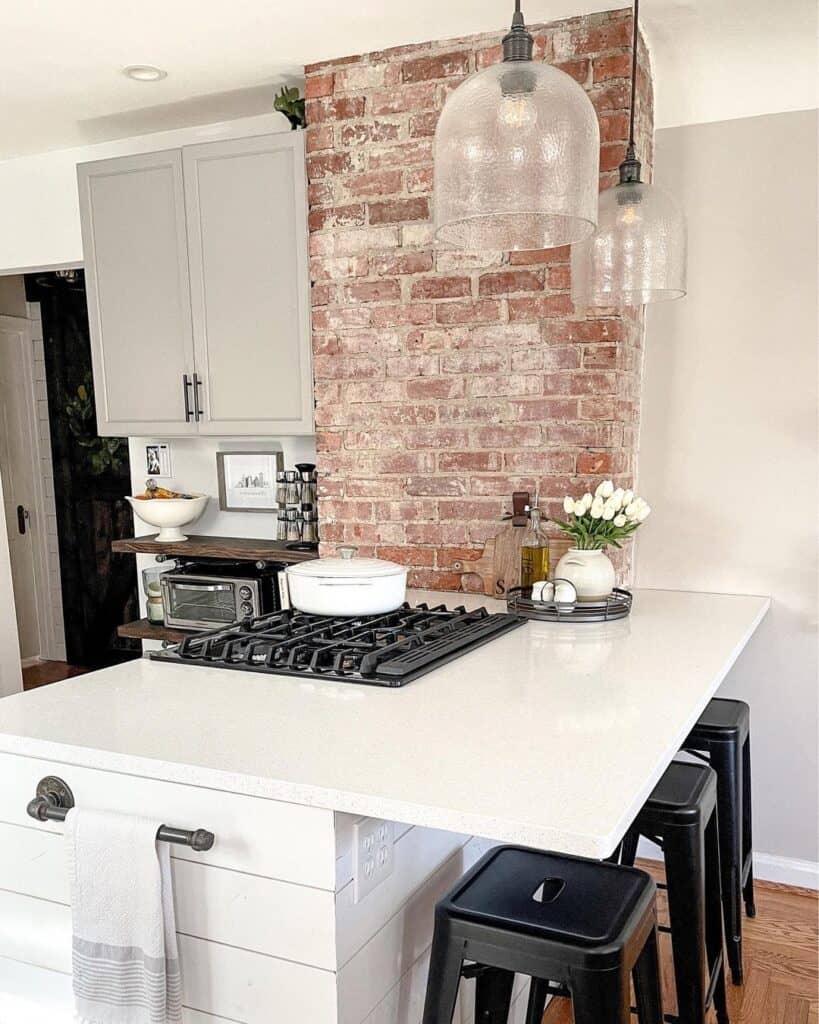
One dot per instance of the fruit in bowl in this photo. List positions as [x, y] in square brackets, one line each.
[167, 510]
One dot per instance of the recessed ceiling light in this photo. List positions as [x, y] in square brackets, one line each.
[144, 73]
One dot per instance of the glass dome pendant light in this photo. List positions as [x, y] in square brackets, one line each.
[516, 159]
[638, 253]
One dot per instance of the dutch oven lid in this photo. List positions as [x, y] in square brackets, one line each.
[346, 567]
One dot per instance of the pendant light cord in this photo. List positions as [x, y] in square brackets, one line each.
[635, 39]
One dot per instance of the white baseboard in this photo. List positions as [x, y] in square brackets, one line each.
[767, 867]
[30, 662]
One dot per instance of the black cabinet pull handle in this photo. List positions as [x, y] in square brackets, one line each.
[22, 515]
[197, 408]
[186, 383]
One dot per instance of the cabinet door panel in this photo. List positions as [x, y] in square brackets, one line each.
[133, 225]
[247, 242]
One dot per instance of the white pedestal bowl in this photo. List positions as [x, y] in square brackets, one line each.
[169, 514]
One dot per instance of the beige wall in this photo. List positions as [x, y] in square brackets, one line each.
[728, 453]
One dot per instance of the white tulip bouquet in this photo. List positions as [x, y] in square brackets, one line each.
[606, 517]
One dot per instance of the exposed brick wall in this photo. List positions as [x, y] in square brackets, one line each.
[444, 381]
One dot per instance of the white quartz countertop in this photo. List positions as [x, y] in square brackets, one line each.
[552, 736]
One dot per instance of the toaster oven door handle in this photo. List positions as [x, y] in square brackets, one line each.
[210, 587]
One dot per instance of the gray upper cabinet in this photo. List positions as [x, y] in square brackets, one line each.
[136, 273]
[247, 250]
[197, 271]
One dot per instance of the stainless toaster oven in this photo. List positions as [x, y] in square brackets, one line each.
[205, 595]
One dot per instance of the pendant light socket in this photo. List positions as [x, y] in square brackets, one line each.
[518, 43]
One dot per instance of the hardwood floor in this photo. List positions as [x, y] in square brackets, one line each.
[49, 672]
[780, 953]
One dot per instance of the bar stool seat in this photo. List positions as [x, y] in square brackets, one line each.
[723, 733]
[580, 924]
[681, 817]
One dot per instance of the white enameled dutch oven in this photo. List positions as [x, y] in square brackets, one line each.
[347, 585]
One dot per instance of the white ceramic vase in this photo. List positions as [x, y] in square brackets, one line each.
[591, 572]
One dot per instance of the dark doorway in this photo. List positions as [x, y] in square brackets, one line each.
[91, 476]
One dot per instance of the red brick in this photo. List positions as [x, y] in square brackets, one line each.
[319, 165]
[436, 486]
[479, 361]
[323, 217]
[611, 36]
[423, 125]
[517, 436]
[318, 85]
[378, 487]
[510, 281]
[413, 313]
[436, 387]
[412, 366]
[544, 409]
[433, 580]
[505, 384]
[340, 108]
[480, 311]
[323, 65]
[611, 156]
[585, 331]
[441, 287]
[455, 557]
[373, 131]
[614, 96]
[539, 462]
[524, 257]
[372, 291]
[406, 154]
[334, 367]
[480, 462]
[465, 510]
[413, 98]
[442, 65]
[600, 357]
[403, 263]
[319, 193]
[560, 277]
[398, 210]
[405, 462]
[436, 533]
[613, 127]
[408, 555]
[589, 435]
[319, 137]
[373, 183]
[322, 294]
[436, 437]
[420, 179]
[542, 306]
[616, 65]
[577, 69]
[594, 463]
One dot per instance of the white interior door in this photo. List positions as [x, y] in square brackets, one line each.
[18, 469]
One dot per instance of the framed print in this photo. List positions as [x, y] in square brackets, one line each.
[247, 480]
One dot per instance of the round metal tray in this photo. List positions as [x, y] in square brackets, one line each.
[616, 606]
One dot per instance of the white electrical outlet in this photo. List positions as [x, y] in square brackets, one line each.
[374, 854]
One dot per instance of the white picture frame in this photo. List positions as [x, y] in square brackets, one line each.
[247, 480]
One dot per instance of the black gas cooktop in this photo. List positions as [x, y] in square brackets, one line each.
[383, 650]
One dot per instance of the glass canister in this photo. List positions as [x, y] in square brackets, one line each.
[153, 590]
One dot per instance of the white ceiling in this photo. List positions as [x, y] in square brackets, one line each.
[61, 62]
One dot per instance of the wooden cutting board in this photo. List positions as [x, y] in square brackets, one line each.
[498, 568]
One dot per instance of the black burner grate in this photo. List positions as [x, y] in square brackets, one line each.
[384, 650]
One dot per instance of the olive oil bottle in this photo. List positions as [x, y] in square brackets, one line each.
[534, 552]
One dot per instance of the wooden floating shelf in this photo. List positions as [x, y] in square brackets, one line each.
[198, 546]
[142, 629]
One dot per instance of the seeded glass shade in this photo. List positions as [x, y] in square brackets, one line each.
[638, 253]
[516, 161]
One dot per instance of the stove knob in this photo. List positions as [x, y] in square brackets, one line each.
[247, 608]
[245, 593]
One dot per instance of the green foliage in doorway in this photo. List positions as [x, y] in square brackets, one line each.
[289, 103]
[103, 454]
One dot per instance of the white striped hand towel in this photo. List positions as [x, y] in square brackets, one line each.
[125, 960]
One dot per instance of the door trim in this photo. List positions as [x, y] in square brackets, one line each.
[46, 619]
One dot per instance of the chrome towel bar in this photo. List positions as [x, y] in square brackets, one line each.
[54, 800]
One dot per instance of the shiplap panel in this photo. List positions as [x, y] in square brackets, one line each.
[216, 979]
[263, 837]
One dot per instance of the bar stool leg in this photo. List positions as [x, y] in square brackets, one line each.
[629, 848]
[443, 980]
[600, 996]
[713, 917]
[535, 1008]
[493, 996]
[647, 987]
[747, 843]
[685, 876]
[726, 760]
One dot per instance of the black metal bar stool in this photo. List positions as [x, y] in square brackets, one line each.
[680, 816]
[723, 733]
[581, 925]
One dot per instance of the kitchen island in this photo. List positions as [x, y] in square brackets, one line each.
[552, 735]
